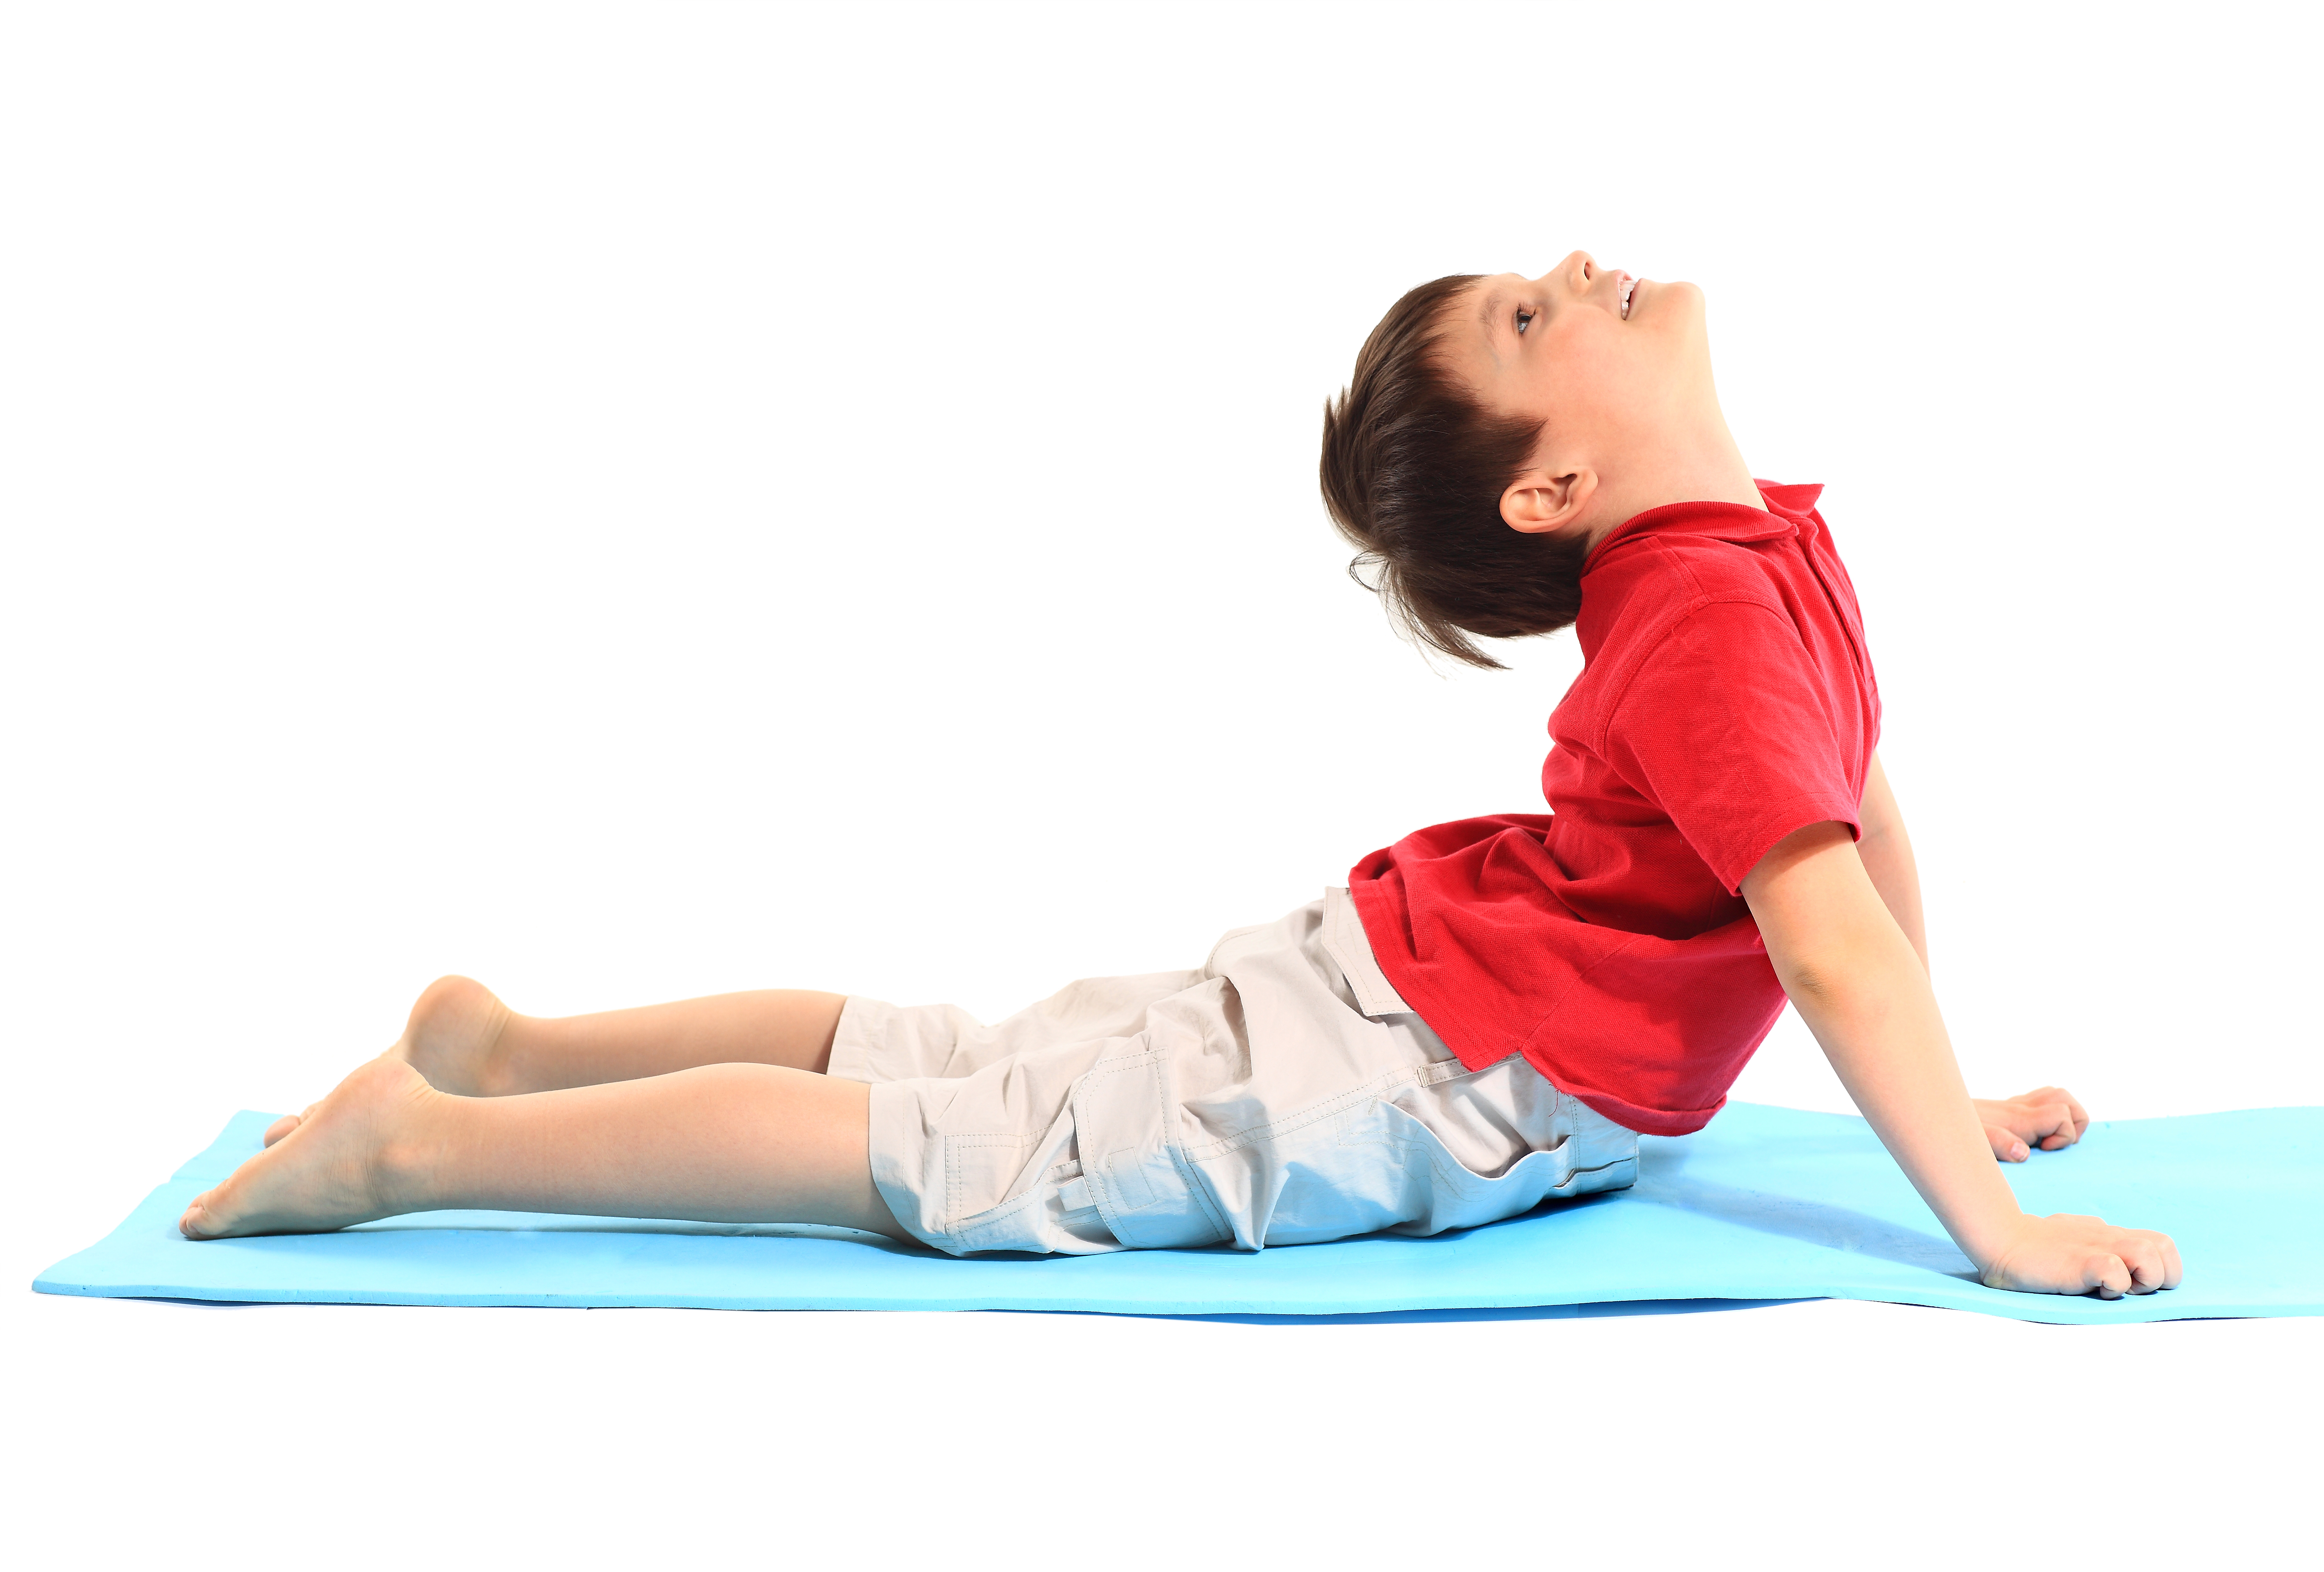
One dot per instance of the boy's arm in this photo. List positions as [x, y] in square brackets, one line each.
[1859, 984]
[2048, 1116]
[1887, 856]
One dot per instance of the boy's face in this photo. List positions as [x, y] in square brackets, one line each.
[1614, 367]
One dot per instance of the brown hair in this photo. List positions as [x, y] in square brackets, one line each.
[1412, 472]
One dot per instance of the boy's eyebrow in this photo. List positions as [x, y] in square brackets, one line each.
[1491, 312]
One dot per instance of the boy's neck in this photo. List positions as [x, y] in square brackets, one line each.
[1701, 464]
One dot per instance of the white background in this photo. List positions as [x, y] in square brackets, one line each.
[629, 503]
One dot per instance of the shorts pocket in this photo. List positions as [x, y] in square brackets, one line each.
[1459, 1197]
[1124, 1111]
[980, 1168]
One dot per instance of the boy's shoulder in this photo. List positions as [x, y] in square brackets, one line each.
[1648, 582]
[1667, 561]
[1717, 568]
[1664, 569]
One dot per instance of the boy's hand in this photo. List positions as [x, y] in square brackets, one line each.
[2048, 1117]
[1863, 991]
[2066, 1254]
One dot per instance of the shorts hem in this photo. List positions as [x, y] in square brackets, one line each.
[853, 1044]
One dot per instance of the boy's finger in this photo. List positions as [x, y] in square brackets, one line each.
[2006, 1145]
[2104, 1272]
[2057, 1125]
[2169, 1250]
[2148, 1270]
[2072, 1117]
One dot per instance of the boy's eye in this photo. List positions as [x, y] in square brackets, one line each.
[1523, 317]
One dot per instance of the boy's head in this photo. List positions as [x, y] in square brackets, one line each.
[1497, 429]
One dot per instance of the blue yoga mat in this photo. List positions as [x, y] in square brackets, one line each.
[1765, 1204]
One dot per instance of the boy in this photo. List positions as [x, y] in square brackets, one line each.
[1490, 1013]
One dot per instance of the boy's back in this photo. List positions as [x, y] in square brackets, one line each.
[1726, 700]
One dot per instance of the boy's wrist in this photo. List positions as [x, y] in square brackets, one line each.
[1989, 1238]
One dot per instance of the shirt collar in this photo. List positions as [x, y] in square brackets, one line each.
[1787, 511]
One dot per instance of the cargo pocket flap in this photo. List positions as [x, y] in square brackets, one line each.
[1123, 1109]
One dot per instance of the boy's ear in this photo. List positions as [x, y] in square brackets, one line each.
[1541, 503]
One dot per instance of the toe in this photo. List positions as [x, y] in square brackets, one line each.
[222, 1210]
[196, 1214]
[289, 1122]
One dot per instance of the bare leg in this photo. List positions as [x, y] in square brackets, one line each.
[463, 1039]
[725, 1142]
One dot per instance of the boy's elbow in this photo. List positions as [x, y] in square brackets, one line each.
[1846, 980]
[1818, 983]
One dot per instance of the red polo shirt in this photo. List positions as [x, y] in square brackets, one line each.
[1726, 699]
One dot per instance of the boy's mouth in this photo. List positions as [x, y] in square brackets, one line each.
[1629, 283]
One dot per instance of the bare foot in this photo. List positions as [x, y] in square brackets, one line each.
[452, 1037]
[341, 1164]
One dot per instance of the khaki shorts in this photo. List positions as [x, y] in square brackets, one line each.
[1281, 1094]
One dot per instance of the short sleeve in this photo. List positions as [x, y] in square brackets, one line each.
[1726, 727]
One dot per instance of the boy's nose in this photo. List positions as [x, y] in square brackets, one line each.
[1576, 271]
